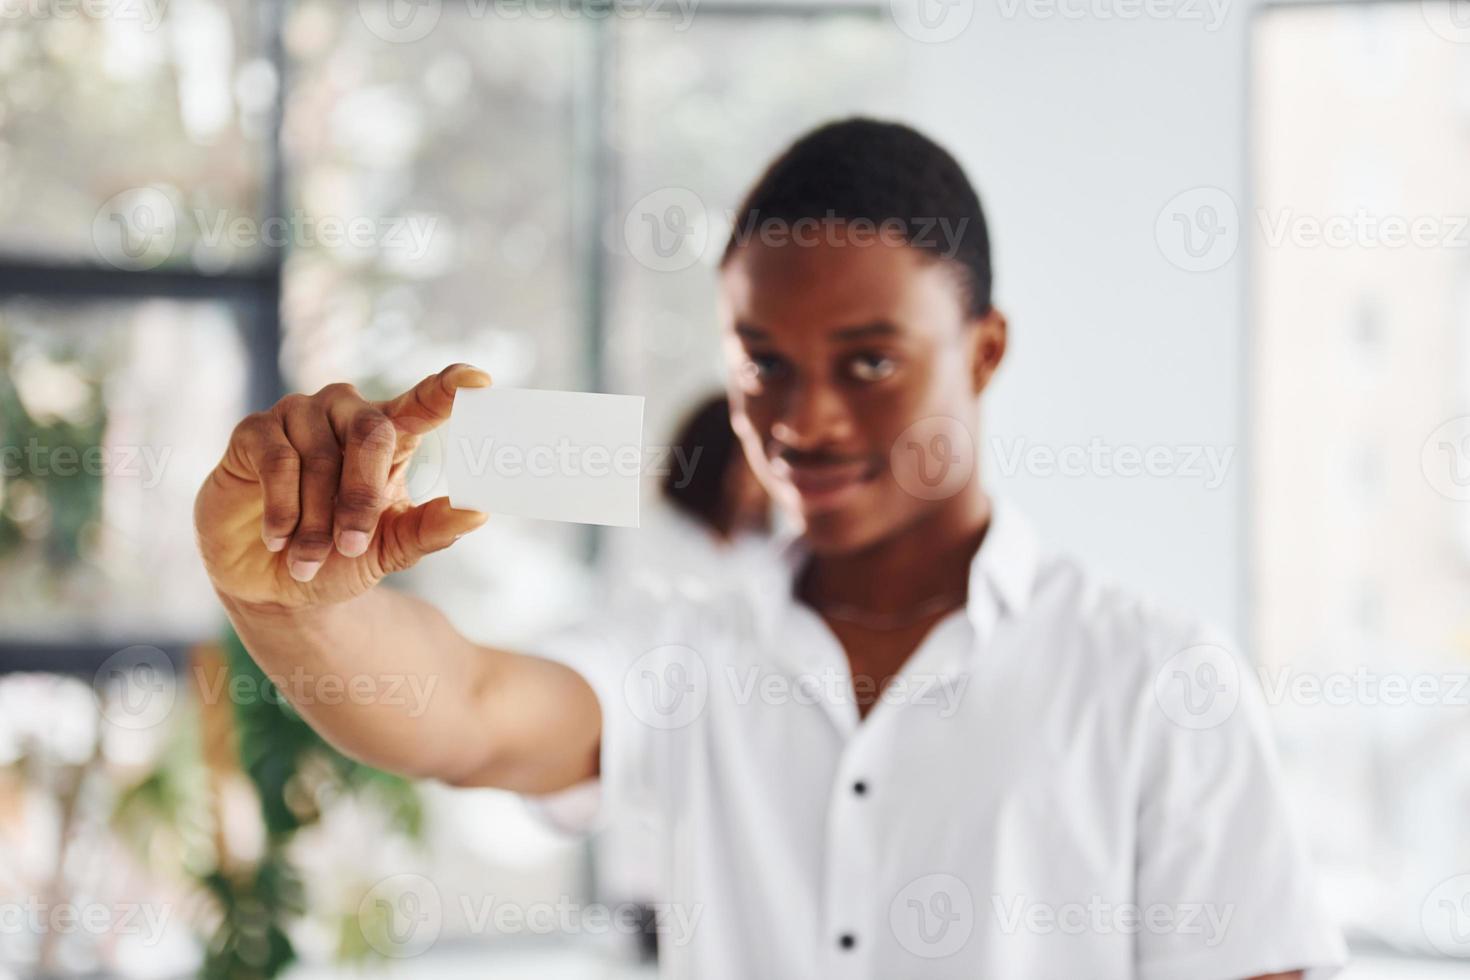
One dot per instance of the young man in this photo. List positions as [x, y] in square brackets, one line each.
[922, 746]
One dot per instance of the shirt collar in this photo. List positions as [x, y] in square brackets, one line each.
[1002, 573]
[1006, 563]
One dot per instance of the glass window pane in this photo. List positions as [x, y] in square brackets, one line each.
[453, 156]
[701, 112]
[136, 137]
[110, 416]
[1361, 444]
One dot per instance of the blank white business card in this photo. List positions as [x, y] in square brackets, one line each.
[552, 455]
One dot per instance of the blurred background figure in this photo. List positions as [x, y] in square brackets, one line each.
[720, 496]
[718, 515]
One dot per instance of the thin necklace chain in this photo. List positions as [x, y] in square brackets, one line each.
[885, 622]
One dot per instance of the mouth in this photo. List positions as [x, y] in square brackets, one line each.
[824, 486]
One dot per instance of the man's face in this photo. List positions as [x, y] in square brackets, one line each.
[835, 351]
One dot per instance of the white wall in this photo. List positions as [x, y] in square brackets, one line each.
[1078, 131]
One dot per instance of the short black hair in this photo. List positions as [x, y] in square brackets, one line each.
[707, 441]
[885, 173]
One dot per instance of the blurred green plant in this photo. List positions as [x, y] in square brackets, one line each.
[293, 772]
[67, 503]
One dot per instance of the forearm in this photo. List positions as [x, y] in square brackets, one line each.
[383, 676]
[386, 679]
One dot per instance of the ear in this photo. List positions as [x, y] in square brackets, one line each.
[987, 347]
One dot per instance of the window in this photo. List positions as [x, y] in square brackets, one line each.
[1361, 585]
[113, 413]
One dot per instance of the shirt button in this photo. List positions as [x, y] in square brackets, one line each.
[860, 788]
[847, 940]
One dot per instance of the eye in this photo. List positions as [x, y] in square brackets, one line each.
[869, 367]
[760, 368]
[766, 366]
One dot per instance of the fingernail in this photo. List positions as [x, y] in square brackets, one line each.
[275, 544]
[352, 543]
[304, 571]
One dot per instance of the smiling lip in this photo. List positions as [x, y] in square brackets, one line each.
[825, 485]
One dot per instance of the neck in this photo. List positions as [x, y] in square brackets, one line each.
[926, 559]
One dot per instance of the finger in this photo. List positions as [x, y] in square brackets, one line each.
[428, 403]
[369, 440]
[409, 535]
[264, 454]
[310, 432]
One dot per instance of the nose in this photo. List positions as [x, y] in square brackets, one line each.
[812, 416]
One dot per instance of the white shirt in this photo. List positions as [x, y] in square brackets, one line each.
[1063, 782]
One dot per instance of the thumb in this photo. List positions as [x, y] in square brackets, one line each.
[409, 535]
[429, 402]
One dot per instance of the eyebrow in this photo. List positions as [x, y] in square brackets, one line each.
[878, 328]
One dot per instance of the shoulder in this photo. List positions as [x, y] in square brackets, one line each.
[1118, 628]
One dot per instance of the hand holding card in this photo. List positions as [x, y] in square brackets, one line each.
[552, 455]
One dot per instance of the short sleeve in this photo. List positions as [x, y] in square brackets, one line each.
[641, 664]
[1226, 889]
